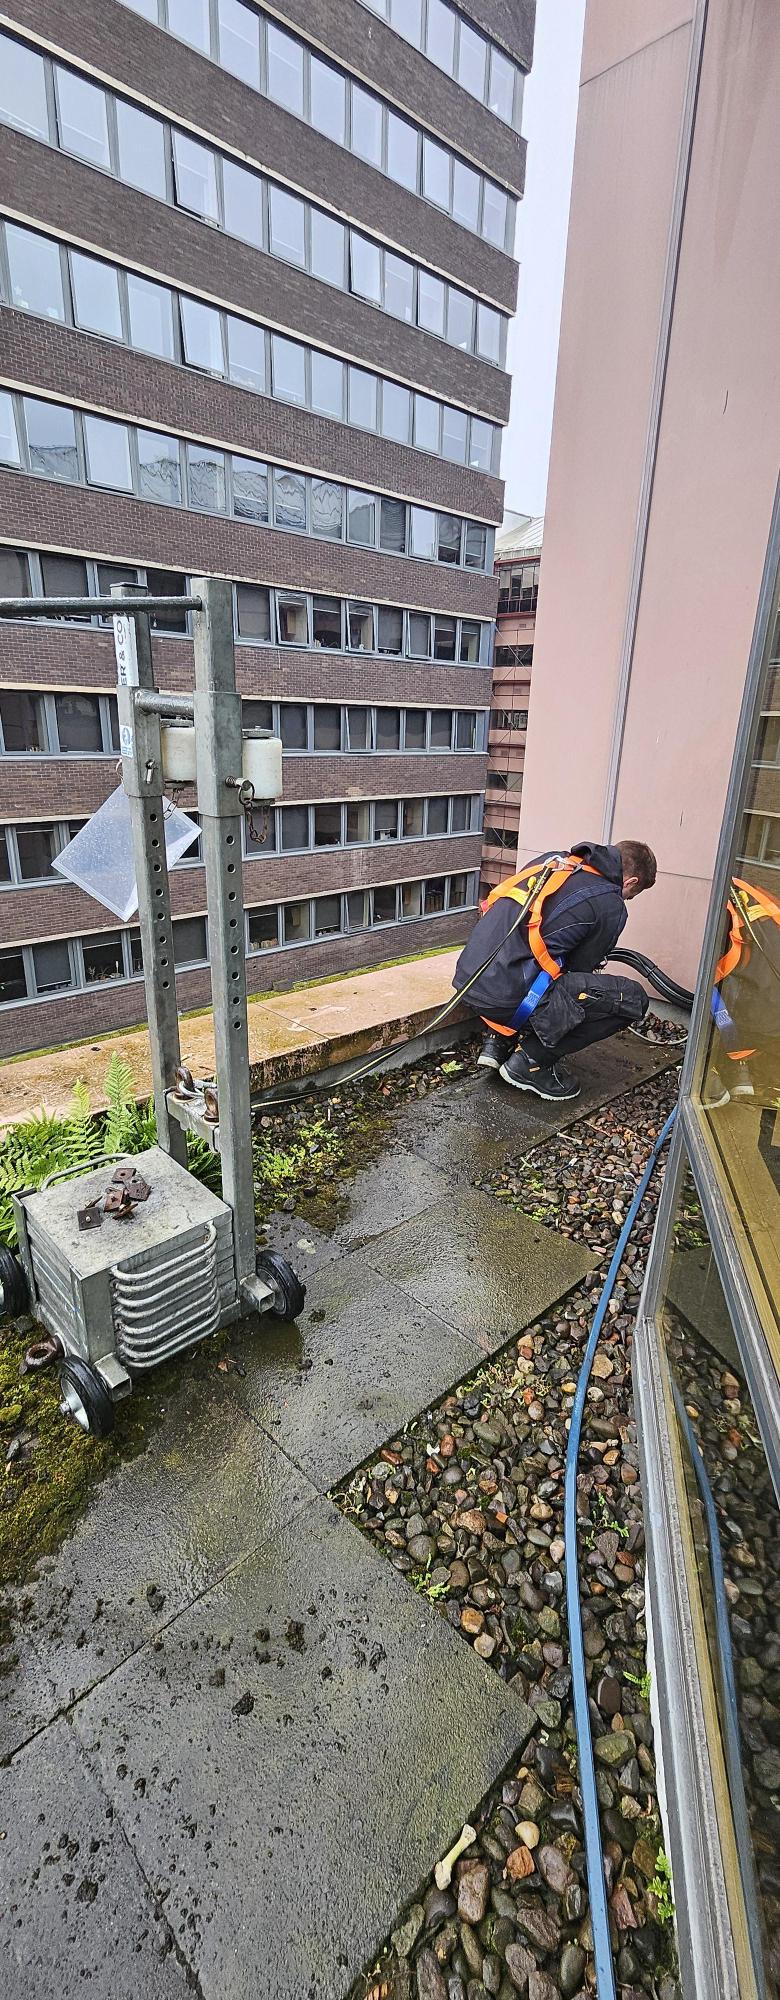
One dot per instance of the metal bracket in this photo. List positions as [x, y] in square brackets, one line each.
[257, 1293]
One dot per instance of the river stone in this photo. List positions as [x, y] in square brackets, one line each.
[520, 1965]
[571, 1969]
[539, 1926]
[438, 1903]
[414, 1526]
[472, 1949]
[473, 1889]
[492, 1973]
[455, 1987]
[615, 1748]
[554, 1869]
[405, 1938]
[431, 1983]
[541, 1987]
[531, 1799]
[422, 1548]
[608, 1695]
[766, 1768]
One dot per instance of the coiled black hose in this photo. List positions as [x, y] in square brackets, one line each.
[661, 982]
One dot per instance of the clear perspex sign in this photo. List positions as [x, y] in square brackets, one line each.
[100, 858]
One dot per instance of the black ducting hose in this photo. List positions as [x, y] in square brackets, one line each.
[661, 982]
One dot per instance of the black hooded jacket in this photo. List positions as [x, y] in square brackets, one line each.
[581, 924]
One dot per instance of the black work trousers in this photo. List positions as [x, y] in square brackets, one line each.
[578, 1009]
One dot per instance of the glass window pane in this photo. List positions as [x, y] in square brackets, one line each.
[329, 731]
[385, 904]
[423, 533]
[326, 631]
[481, 445]
[246, 353]
[293, 725]
[435, 892]
[502, 86]
[297, 923]
[414, 738]
[189, 941]
[243, 203]
[52, 966]
[288, 364]
[466, 729]
[362, 398]
[431, 295]
[437, 815]
[436, 173]
[419, 635]
[96, 295]
[454, 429]
[390, 629]
[359, 729]
[411, 899]
[327, 826]
[293, 615]
[361, 519]
[450, 536]
[23, 89]
[327, 384]
[388, 729]
[444, 638]
[35, 272]
[206, 478]
[159, 467]
[396, 412]
[295, 827]
[412, 819]
[239, 41]
[9, 443]
[399, 287]
[460, 319]
[357, 913]
[327, 509]
[441, 729]
[253, 617]
[426, 423]
[51, 438]
[195, 177]
[142, 148]
[365, 268]
[167, 583]
[36, 847]
[494, 214]
[23, 722]
[366, 126]
[401, 152]
[488, 333]
[328, 248]
[327, 916]
[81, 117]
[14, 573]
[472, 61]
[360, 628]
[386, 819]
[469, 643]
[328, 98]
[5, 866]
[440, 37]
[78, 723]
[392, 526]
[189, 19]
[285, 70]
[65, 576]
[151, 316]
[250, 489]
[288, 234]
[263, 929]
[459, 892]
[476, 545]
[406, 18]
[289, 499]
[465, 195]
[13, 982]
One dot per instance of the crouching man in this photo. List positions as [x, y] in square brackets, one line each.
[540, 996]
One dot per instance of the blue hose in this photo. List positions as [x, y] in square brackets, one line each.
[602, 1948]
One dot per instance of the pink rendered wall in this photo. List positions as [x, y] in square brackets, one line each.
[717, 458]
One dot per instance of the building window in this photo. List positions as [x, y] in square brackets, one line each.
[35, 272]
[263, 930]
[141, 150]
[202, 336]
[107, 449]
[253, 612]
[293, 620]
[327, 826]
[285, 69]
[326, 622]
[195, 177]
[82, 118]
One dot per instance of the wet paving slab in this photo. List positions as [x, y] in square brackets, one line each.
[487, 1271]
[75, 1909]
[309, 1713]
[363, 1358]
[209, 1487]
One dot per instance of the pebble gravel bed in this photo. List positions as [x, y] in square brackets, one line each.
[468, 1504]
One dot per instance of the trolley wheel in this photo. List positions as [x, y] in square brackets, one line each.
[14, 1295]
[288, 1293]
[85, 1397]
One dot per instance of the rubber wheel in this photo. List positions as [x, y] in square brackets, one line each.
[14, 1295]
[85, 1398]
[289, 1293]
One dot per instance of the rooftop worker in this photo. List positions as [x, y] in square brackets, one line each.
[549, 928]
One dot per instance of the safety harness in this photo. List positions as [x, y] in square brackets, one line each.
[745, 907]
[550, 877]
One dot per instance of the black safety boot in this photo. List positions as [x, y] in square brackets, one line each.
[495, 1049]
[525, 1075]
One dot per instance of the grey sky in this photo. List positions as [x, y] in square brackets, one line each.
[549, 120]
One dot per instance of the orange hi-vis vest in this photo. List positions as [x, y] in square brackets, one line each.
[551, 875]
[745, 907]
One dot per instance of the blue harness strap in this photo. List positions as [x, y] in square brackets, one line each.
[720, 1012]
[531, 999]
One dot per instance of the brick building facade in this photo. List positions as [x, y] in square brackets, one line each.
[518, 554]
[254, 324]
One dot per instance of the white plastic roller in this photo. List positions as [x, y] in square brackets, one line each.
[178, 753]
[262, 763]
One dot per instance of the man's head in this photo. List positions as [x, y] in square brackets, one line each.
[639, 867]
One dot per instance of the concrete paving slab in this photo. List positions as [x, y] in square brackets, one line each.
[362, 1359]
[27, 1696]
[487, 1272]
[209, 1487]
[390, 1191]
[75, 1911]
[292, 1758]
